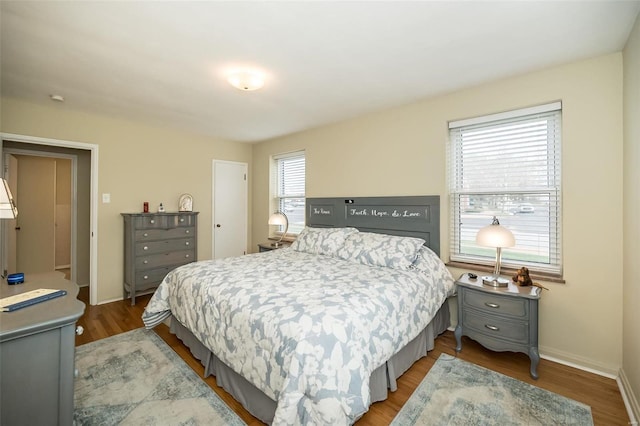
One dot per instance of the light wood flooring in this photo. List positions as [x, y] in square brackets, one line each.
[600, 393]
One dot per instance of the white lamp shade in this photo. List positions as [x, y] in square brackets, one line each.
[495, 235]
[8, 210]
[278, 219]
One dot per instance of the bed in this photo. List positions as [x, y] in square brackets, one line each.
[315, 333]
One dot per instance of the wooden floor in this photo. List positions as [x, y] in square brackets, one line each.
[600, 393]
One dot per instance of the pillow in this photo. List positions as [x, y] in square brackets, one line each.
[429, 264]
[325, 241]
[381, 250]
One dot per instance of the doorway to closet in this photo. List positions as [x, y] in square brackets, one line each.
[54, 183]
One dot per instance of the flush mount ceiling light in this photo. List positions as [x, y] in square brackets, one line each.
[57, 98]
[246, 80]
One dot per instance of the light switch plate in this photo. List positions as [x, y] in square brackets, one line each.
[106, 198]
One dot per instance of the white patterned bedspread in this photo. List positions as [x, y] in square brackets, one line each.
[308, 330]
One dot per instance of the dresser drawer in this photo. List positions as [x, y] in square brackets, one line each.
[497, 327]
[496, 304]
[163, 234]
[164, 259]
[152, 247]
[151, 221]
[151, 278]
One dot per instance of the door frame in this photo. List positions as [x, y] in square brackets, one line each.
[74, 194]
[93, 203]
[213, 203]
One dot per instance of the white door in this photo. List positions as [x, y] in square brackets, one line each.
[229, 209]
[36, 214]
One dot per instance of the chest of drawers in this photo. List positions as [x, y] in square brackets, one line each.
[501, 319]
[154, 244]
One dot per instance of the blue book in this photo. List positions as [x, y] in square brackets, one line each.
[22, 300]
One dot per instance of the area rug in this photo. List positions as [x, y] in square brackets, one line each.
[135, 378]
[456, 392]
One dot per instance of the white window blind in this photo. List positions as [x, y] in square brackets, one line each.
[289, 188]
[508, 165]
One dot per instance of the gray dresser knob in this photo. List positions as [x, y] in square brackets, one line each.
[182, 219]
[79, 330]
[187, 243]
[152, 221]
[145, 235]
[187, 232]
[146, 277]
[145, 262]
[186, 255]
[145, 248]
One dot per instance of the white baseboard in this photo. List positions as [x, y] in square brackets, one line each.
[578, 366]
[629, 398]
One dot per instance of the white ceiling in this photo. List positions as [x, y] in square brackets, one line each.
[166, 62]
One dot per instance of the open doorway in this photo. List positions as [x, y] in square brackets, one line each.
[73, 165]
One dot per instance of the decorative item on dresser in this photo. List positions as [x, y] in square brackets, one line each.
[37, 349]
[499, 318]
[154, 244]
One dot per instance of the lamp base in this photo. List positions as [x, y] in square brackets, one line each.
[494, 281]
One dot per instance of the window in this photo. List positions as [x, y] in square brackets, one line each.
[288, 180]
[508, 165]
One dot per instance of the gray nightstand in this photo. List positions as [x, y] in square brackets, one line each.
[501, 319]
[268, 247]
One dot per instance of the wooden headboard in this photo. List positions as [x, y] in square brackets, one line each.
[416, 216]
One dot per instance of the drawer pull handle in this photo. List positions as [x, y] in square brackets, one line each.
[492, 305]
[182, 219]
[187, 231]
[146, 277]
[145, 262]
[145, 248]
[79, 330]
[492, 327]
[186, 243]
[145, 235]
[186, 255]
[152, 221]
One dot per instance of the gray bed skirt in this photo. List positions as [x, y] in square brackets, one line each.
[261, 406]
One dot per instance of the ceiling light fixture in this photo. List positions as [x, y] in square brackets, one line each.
[57, 98]
[246, 80]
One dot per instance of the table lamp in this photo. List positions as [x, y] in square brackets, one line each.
[279, 218]
[495, 235]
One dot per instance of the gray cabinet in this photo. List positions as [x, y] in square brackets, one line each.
[501, 319]
[37, 354]
[154, 244]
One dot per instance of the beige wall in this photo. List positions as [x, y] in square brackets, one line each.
[631, 288]
[402, 151]
[137, 163]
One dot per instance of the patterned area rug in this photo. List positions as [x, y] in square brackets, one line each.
[135, 378]
[456, 392]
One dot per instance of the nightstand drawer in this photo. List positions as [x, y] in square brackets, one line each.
[515, 331]
[495, 304]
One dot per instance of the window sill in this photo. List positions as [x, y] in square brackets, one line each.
[542, 276]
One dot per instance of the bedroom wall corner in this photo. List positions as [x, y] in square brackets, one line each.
[630, 371]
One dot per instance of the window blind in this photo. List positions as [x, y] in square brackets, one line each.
[289, 188]
[508, 165]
